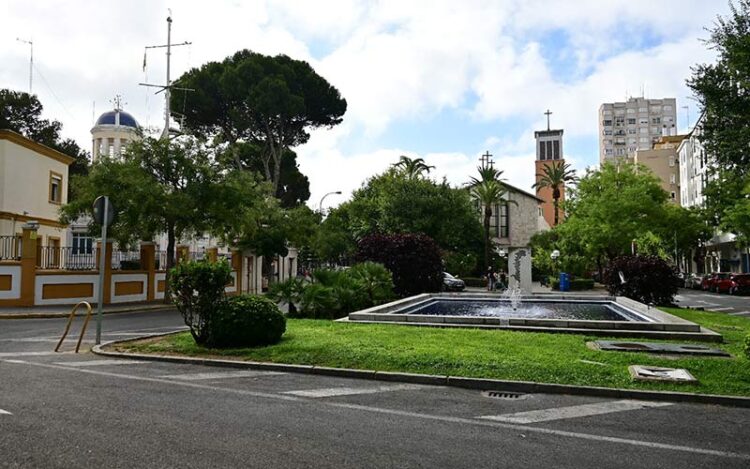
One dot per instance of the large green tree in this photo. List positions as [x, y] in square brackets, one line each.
[22, 113]
[272, 102]
[723, 91]
[488, 191]
[171, 187]
[294, 187]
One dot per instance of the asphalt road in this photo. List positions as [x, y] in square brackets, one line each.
[719, 302]
[67, 410]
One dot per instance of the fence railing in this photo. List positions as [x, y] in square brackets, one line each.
[67, 258]
[126, 260]
[10, 248]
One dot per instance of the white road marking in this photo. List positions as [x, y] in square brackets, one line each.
[4, 412]
[415, 415]
[332, 392]
[741, 313]
[721, 309]
[26, 354]
[585, 410]
[30, 339]
[222, 375]
[101, 363]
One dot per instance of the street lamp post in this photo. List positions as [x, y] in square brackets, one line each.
[320, 208]
[554, 256]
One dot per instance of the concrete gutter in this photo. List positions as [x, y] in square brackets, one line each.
[62, 314]
[435, 380]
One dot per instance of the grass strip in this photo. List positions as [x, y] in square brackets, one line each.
[480, 353]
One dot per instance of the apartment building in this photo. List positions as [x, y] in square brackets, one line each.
[636, 124]
[664, 162]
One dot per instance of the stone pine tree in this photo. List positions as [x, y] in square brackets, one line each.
[271, 102]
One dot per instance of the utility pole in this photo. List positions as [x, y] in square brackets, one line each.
[31, 60]
[167, 88]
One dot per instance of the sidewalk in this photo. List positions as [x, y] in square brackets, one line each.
[59, 311]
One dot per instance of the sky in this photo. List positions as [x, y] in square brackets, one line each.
[441, 80]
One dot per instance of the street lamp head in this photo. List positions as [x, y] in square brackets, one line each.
[555, 254]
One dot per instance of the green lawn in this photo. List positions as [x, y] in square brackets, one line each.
[510, 355]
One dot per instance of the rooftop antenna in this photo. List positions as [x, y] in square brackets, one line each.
[117, 102]
[167, 88]
[687, 116]
[31, 59]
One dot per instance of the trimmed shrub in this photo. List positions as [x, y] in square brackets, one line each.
[197, 289]
[578, 284]
[413, 259]
[246, 321]
[648, 279]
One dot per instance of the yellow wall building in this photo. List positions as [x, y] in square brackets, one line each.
[33, 187]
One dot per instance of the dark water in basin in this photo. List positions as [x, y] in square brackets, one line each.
[533, 310]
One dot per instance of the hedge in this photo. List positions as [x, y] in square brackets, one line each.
[577, 284]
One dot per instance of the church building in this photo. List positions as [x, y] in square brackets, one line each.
[549, 150]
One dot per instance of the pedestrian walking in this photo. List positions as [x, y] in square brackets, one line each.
[490, 279]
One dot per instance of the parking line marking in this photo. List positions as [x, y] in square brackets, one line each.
[332, 392]
[721, 309]
[4, 412]
[585, 410]
[741, 313]
[222, 375]
[416, 415]
[101, 363]
[26, 354]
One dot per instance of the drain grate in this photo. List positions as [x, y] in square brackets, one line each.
[504, 395]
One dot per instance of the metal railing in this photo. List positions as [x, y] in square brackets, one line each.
[126, 260]
[10, 248]
[67, 258]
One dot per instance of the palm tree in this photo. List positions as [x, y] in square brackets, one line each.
[489, 191]
[412, 168]
[289, 292]
[555, 176]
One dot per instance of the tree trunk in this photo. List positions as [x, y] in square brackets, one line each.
[554, 203]
[487, 217]
[170, 261]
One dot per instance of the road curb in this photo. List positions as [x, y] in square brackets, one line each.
[140, 309]
[436, 380]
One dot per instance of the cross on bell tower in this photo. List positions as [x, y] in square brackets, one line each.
[548, 113]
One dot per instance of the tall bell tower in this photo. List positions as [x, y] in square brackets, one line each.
[549, 150]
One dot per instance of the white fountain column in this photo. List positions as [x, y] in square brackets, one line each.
[519, 269]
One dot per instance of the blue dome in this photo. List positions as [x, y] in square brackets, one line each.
[126, 120]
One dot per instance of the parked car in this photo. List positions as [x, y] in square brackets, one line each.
[717, 282]
[740, 284]
[451, 283]
[706, 281]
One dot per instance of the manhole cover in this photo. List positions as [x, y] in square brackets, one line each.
[504, 394]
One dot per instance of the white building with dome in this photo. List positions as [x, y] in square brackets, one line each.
[112, 132]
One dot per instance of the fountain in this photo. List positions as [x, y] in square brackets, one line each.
[513, 295]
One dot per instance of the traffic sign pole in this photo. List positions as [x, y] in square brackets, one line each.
[102, 263]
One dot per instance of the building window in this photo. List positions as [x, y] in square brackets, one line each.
[607, 122]
[631, 110]
[642, 109]
[504, 221]
[632, 131]
[608, 152]
[556, 149]
[549, 150]
[82, 244]
[631, 121]
[671, 162]
[607, 132]
[672, 178]
[55, 187]
[542, 151]
[672, 194]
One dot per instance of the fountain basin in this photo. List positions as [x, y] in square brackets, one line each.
[588, 314]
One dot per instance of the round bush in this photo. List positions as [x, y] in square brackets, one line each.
[648, 279]
[246, 321]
